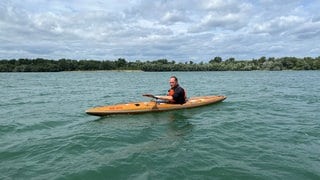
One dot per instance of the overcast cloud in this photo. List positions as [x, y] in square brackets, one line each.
[180, 30]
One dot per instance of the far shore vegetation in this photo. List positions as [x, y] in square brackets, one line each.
[215, 64]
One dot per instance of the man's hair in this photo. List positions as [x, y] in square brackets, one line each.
[175, 78]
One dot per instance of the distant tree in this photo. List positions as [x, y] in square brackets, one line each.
[216, 60]
[107, 65]
[316, 64]
[120, 63]
[230, 60]
[302, 65]
[288, 62]
[161, 61]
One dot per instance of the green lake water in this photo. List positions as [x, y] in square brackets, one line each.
[267, 128]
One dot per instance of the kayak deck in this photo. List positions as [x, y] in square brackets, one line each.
[153, 106]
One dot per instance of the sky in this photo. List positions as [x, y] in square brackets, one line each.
[179, 30]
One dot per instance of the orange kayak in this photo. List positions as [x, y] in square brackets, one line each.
[153, 106]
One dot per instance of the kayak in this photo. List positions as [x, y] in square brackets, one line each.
[153, 106]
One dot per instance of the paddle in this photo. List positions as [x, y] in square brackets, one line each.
[150, 96]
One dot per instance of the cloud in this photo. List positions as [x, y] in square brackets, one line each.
[278, 25]
[174, 16]
[146, 30]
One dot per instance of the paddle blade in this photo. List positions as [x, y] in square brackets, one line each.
[149, 95]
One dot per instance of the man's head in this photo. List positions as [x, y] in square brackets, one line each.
[173, 81]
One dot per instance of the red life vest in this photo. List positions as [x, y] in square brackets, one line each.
[171, 93]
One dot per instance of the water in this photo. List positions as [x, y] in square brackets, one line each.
[267, 128]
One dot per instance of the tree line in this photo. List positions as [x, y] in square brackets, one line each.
[215, 64]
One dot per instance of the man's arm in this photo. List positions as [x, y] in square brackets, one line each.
[170, 98]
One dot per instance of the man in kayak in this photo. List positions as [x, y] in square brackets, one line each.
[176, 94]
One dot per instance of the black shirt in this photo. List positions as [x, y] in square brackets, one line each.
[179, 95]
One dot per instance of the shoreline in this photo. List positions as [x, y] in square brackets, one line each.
[104, 71]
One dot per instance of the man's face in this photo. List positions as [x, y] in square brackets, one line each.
[172, 82]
